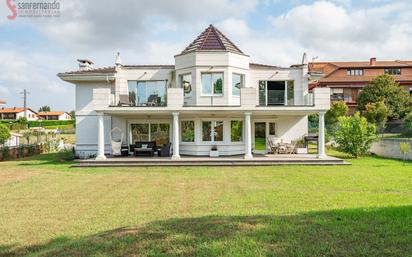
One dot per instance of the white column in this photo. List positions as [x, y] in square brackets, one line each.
[176, 140]
[321, 135]
[248, 136]
[100, 137]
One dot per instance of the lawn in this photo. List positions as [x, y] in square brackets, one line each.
[50, 209]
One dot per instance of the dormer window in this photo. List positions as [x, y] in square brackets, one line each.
[354, 72]
[212, 84]
[393, 71]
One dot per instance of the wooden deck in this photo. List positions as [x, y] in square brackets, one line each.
[258, 160]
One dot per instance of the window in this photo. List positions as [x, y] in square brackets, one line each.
[212, 83]
[212, 131]
[291, 92]
[186, 84]
[140, 132]
[237, 83]
[236, 131]
[262, 92]
[354, 72]
[272, 129]
[275, 92]
[147, 93]
[336, 94]
[158, 132]
[393, 71]
[188, 131]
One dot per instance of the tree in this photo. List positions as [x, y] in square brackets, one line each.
[73, 115]
[4, 133]
[376, 113]
[385, 88]
[407, 124]
[337, 109]
[45, 108]
[355, 135]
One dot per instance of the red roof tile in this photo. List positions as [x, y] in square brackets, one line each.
[211, 39]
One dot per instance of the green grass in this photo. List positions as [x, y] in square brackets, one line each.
[50, 209]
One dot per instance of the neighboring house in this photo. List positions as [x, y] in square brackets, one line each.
[346, 79]
[2, 102]
[212, 96]
[14, 139]
[17, 113]
[55, 115]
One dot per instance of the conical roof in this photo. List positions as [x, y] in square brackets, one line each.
[211, 39]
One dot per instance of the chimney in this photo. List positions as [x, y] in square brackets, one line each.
[85, 64]
[118, 61]
[372, 61]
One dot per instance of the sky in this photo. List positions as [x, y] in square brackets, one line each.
[33, 50]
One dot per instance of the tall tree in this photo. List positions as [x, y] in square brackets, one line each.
[45, 108]
[385, 88]
[4, 133]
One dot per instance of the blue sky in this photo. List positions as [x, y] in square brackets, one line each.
[34, 50]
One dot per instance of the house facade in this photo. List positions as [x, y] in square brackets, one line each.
[55, 115]
[212, 97]
[15, 113]
[346, 79]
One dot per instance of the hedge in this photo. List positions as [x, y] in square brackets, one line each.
[41, 123]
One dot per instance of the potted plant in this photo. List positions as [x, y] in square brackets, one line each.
[300, 147]
[214, 152]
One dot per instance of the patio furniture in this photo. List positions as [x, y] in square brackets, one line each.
[116, 139]
[152, 100]
[164, 151]
[290, 148]
[282, 148]
[124, 100]
[273, 148]
[124, 151]
[144, 148]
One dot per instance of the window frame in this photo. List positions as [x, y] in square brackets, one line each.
[242, 82]
[242, 132]
[354, 72]
[194, 131]
[191, 84]
[212, 88]
[389, 71]
[212, 130]
[136, 82]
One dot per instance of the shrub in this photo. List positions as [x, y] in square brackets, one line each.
[385, 88]
[355, 135]
[376, 113]
[337, 109]
[407, 125]
[4, 133]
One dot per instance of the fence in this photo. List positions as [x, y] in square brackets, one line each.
[21, 151]
[390, 148]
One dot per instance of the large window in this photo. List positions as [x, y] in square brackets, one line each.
[345, 94]
[212, 131]
[186, 84]
[276, 93]
[212, 83]
[158, 132]
[393, 71]
[236, 131]
[188, 131]
[147, 93]
[354, 72]
[237, 83]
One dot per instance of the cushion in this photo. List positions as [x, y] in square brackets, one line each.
[144, 146]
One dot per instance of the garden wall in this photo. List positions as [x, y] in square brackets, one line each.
[390, 148]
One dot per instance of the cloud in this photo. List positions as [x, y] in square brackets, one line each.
[234, 27]
[334, 31]
[107, 24]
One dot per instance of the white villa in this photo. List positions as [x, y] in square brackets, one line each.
[213, 97]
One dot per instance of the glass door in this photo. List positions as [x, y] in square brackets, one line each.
[260, 137]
